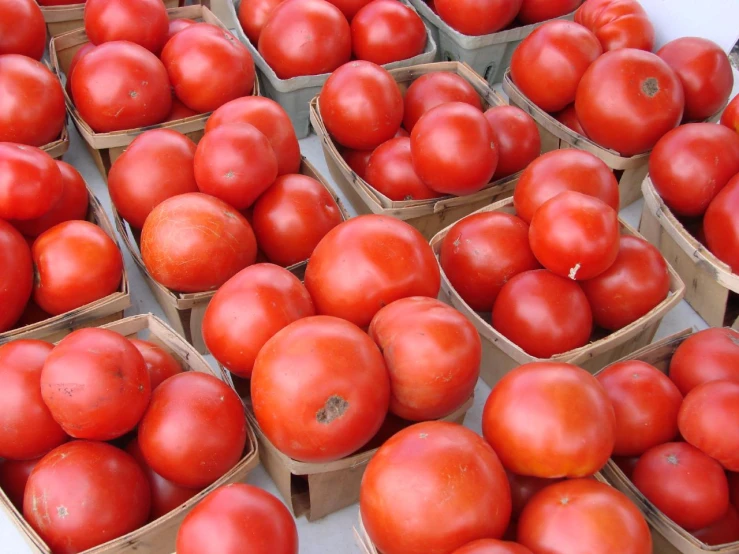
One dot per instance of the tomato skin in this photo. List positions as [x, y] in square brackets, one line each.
[357, 160]
[367, 262]
[687, 485]
[13, 478]
[103, 489]
[477, 18]
[81, 52]
[16, 275]
[568, 118]
[22, 29]
[160, 364]
[30, 182]
[253, 16]
[724, 531]
[730, 117]
[248, 519]
[422, 460]
[492, 546]
[534, 11]
[721, 225]
[517, 138]
[708, 355]
[617, 24]
[177, 25]
[563, 51]
[386, 31]
[350, 7]
[143, 22]
[434, 89]
[179, 111]
[390, 171]
[523, 489]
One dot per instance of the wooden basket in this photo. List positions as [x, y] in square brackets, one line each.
[428, 216]
[59, 147]
[713, 286]
[500, 355]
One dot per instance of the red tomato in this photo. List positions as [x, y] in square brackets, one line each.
[517, 138]
[81, 52]
[523, 489]
[179, 111]
[269, 118]
[471, 17]
[160, 364]
[434, 460]
[84, 494]
[628, 99]
[583, 515]
[177, 25]
[156, 166]
[550, 420]
[434, 89]
[253, 16]
[575, 235]
[563, 51]
[534, 11]
[323, 409]
[120, 85]
[568, 118]
[13, 478]
[16, 275]
[177, 436]
[626, 464]
[361, 105]
[76, 263]
[142, 22]
[453, 149]
[691, 164]
[482, 252]
[637, 282]
[30, 182]
[617, 24]
[492, 546]
[357, 160]
[386, 31]
[248, 519]
[22, 28]
[282, 40]
[195, 243]
[721, 225]
[350, 7]
[367, 262]
[390, 170]
[724, 531]
[560, 171]
[709, 355]
[734, 488]
[689, 487]
[730, 117]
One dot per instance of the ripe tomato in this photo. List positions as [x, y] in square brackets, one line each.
[367, 262]
[636, 283]
[390, 171]
[730, 117]
[177, 25]
[350, 7]
[142, 22]
[179, 111]
[282, 40]
[617, 24]
[517, 137]
[441, 461]
[453, 149]
[76, 264]
[357, 160]
[568, 118]
[386, 31]
[476, 18]
[523, 489]
[709, 355]
[575, 235]
[195, 243]
[160, 364]
[30, 182]
[16, 275]
[559, 171]
[81, 52]
[361, 105]
[115, 501]
[563, 51]
[22, 28]
[482, 252]
[253, 16]
[688, 486]
[626, 464]
[724, 531]
[434, 89]
[691, 164]
[13, 478]
[583, 515]
[575, 425]
[248, 519]
[721, 225]
[492, 546]
[535, 11]
[121, 85]
[177, 436]
[628, 99]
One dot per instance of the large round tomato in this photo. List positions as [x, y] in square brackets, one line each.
[730, 117]
[283, 43]
[142, 22]
[248, 519]
[177, 25]
[535, 11]
[390, 171]
[16, 275]
[617, 24]
[115, 501]
[121, 85]
[583, 515]
[361, 105]
[433, 89]
[638, 279]
[628, 99]
[724, 531]
[160, 364]
[440, 461]
[30, 182]
[195, 243]
[492, 546]
[386, 31]
[13, 478]
[208, 67]
[248, 310]
[367, 262]
[22, 28]
[474, 17]
[523, 489]
[688, 486]
[561, 50]
[76, 263]
[516, 136]
[177, 434]
[568, 118]
[253, 16]
[709, 355]
[721, 225]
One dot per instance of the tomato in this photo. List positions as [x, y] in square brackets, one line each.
[83, 494]
[721, 225]
[492, 546]
[157, 165]
[626, 464]
[637, 282]
[253, 16]
[350, 7]
[689, 487]
[709, 355]
[517, 138]
[471, 17]
[22, 28]
[482, 252]
[523, 489]
[142, 22]
[724, 531]
[30, 182]
[177, 25]
[691, 164]
[16, 275]
[583, 515]
[361, 105]
[81, 52]
[269, 118]
[283, 44]
[386, 31]
[559, 171]
[562, 51]
[535, 11]
[248, 519]
[249, 310]
[367, 262]
[434, 89]
[441, 461]
[195, 243]
[568, 118]
[177, 435]
[120, 85]
[160, 364]
[13, 478]
[179, 111]
[390, 171]
[730, 117]
[734, 488]
[357, 160]
[617, 24]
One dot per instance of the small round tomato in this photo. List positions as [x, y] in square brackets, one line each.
[535, 11]
[434, 460]
[386, 31]
[434, 89]
[688, 486]
[561, 50]
[30, 182]
[390, 171]
[81, 52]
[523, 489]
[16, 275]
[724, 531]
[730, 117]
[617, 24]
[471, 17]
[177, 25]
[350, 7]
[160, 364]
[253, 16]
[568, 118]
[492, 546]
[721, 225]
[13, 478]
[22, 29]
[709, 355]
[517, 138]
[142, 22]
[357, 160]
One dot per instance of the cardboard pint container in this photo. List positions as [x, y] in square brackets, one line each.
[59, 147]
